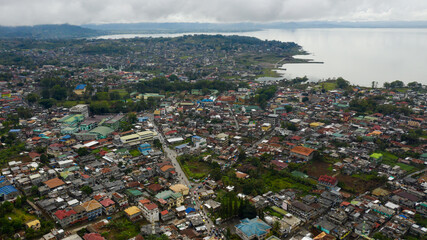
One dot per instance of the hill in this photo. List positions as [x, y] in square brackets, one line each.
[62, 31]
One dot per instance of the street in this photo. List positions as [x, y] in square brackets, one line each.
[172, 155]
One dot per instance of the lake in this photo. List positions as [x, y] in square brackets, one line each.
[358, 55]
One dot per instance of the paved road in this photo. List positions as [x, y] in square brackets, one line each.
[234, 117]
[172, 155]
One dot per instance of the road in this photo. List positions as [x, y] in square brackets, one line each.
[234, 117]
[172, 155]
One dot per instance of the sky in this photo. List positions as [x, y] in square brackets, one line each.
[77, 12]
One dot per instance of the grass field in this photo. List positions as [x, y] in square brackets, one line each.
[122, 229]
[196, 169]
[21, 215]
[135, 153]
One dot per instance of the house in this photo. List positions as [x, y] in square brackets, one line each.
[93, 209]
[150, 211]
[54, 183]
[80, 89]
[65, 217]
[133, 213]
[180, 188]
[108, 206]
[34, 224]
[8, 192]
[120, 200]
[303, 152]
[93, 236]
[327, 181]
[170, 199]
[252, 229]
[301, 210]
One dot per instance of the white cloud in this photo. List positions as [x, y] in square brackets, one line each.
[32, 12]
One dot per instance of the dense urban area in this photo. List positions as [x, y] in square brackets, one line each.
[197, 137]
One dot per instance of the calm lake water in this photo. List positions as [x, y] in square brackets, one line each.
[358, 55]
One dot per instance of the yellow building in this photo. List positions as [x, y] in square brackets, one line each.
[35, 224]
[266, 127]
[181, 188]
[133, 213]
[316, 124]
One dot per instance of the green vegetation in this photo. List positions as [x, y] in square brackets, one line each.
[87, 190]
[13, 217]
[371, 105]
[135, 152]
[121, 229]
[263, 95]
[195, 168]
[232, 206]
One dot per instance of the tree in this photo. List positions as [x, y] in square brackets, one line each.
[386, 85]
[32, 98]
[87, 190]
[59, 93]
[397, 84]
[82, 152]
[341, 83]
[131, 117]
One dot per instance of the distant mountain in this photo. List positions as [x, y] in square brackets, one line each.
[48, 32]
[66, 31]
[173, 27]
[118, 28]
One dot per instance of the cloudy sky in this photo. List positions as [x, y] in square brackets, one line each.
[32, 12]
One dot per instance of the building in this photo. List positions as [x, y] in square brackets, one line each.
[80, 89]
[301, 210]
[108, 206]
[82, 109]
[34, 224]
[101, 132]
[180, 188]
[303, 152]
[8, 192]
[252, 229]
[54, 183]
[133, 213]
[93, 209]
[137, 138]
[170, 199]
[327, 181]
[65, 217]
[150, 211]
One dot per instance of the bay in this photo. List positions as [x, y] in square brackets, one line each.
[360, 55]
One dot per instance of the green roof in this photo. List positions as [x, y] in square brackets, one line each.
[134, 192]
[102, 130]
[164, 195]
[424, 155]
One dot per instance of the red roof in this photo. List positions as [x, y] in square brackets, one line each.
[164, 212]
[328, 179]
[150, 206]
[61, 214]
[107, 202]
[93, 236]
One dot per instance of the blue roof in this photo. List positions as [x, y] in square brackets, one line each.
[80, 87]
[196, 137]
[181, 146]
[251, 227]
[6, 190]
[189, 210]
[66, 137]
[14, 130]
[145, 145]
[142, 119]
